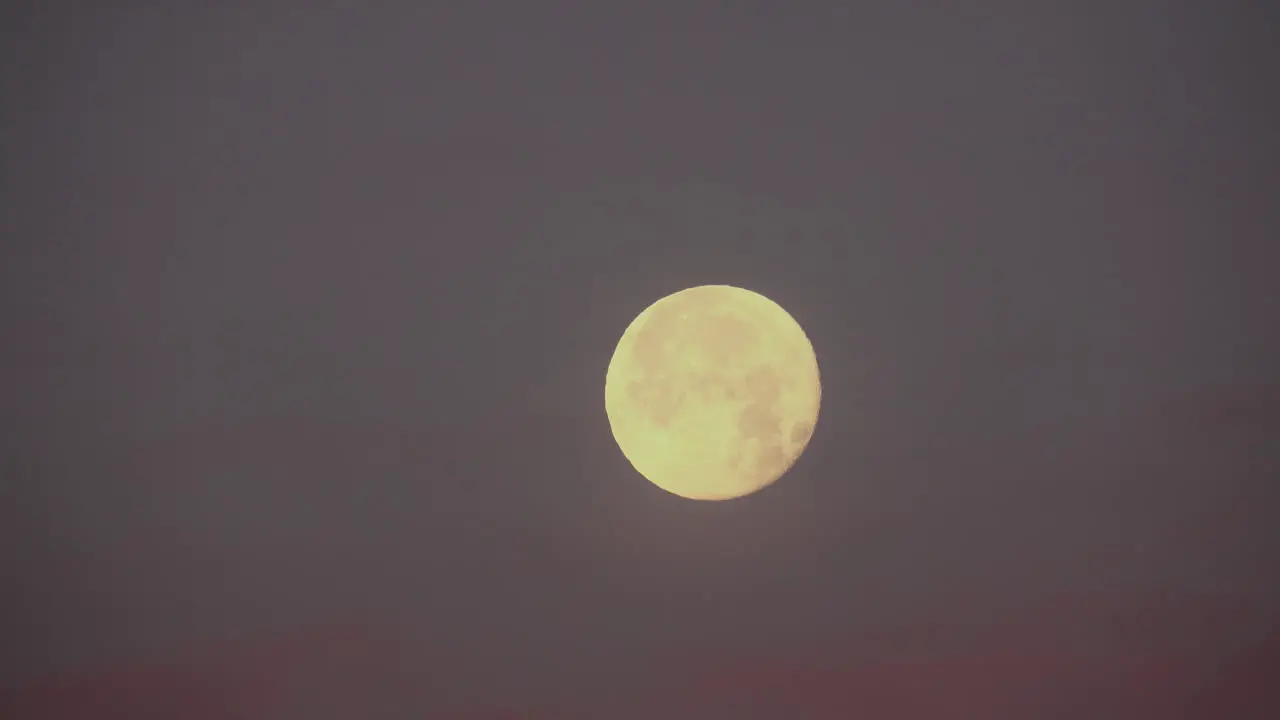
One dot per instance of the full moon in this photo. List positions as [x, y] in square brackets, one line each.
[713, 392]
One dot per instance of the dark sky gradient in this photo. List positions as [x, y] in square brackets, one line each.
[308, 308]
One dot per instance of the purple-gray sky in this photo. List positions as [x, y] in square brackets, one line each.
[308, 307]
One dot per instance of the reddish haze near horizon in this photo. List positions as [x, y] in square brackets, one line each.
[1100, 658]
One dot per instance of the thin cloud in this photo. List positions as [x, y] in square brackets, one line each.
[1239, 408]
[356, 666]
[1166, 665]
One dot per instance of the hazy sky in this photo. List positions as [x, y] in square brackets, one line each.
[308, 309]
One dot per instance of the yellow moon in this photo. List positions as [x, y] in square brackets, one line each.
[713, 392]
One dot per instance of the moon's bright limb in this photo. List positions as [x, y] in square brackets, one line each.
[713, 392]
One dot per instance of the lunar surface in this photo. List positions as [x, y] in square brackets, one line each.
[713, 392]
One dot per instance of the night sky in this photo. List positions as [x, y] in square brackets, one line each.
[308, 306]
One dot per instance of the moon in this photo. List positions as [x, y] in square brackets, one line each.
[713, 392]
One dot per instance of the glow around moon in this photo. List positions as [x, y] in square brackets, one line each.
[713, 392]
